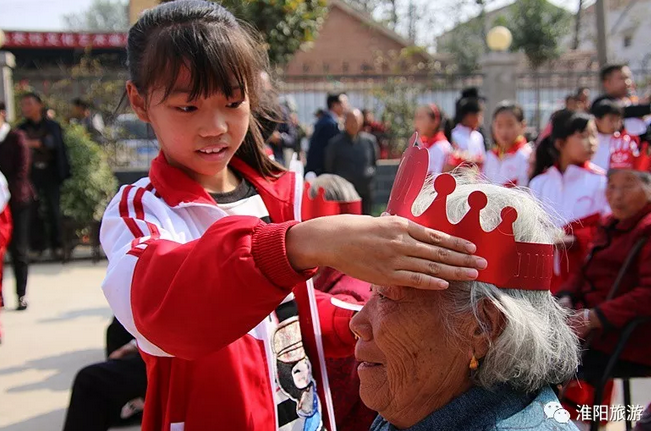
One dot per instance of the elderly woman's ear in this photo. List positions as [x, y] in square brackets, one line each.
[485, 328]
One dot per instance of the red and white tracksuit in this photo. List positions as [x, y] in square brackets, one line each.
[509, 168]
[439, 150]
[577, 200]
[195, 287]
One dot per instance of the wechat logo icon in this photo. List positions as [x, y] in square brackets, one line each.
[554, 410]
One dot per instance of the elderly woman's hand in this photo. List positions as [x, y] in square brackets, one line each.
[583, 321]
[390, 251]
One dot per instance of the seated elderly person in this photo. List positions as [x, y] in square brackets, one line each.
[629, 196]
[476, 356]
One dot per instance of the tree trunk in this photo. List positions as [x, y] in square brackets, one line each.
[577, 28]
[394, 14]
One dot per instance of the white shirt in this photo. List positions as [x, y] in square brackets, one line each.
[512, 168]
[467, 139]
[608, 144]
[577, 193]
[4, 193]
[439, 152]
[4, 131]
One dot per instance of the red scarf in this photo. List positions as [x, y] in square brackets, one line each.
[429, 142]
[520, 142]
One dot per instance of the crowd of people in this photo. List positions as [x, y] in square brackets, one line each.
[244, 299]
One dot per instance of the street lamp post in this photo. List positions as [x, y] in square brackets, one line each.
[499, 69]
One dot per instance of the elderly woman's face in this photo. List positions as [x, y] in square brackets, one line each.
[626, 193]
[408, 367]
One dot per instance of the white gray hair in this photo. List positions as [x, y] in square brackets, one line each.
[336, 188]
[536, 347]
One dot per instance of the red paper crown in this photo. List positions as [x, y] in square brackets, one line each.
[320, 207]
[626, 153]
[511, 264]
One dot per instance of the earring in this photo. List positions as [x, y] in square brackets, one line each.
[474, 364]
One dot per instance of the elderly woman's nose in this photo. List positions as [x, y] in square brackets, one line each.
[360, 325]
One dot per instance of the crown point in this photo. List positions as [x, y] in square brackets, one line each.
[445, 184]
[477, 200]
[509, 215]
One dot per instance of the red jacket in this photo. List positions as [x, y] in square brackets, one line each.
[195, 287]
[350, 411]
[589, 288]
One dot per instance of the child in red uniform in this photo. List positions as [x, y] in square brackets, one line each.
[430, 123]
[571, 187]
[508, 162]
[208, 268]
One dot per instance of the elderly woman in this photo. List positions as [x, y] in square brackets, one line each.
[629, 195]
[475, 356]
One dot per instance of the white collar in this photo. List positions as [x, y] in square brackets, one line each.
[4, 131]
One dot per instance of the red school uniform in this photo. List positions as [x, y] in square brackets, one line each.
[577, 200]
[199, 290]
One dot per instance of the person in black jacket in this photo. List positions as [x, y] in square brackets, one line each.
[50, 167]
[353, 156]
[326, 128]
[617, 81]
[15, 164]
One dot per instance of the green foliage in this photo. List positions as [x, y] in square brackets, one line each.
[86, 194]
[102, 15]
[285, 24]
[537, 28]
[88, 79]
[466, 45]
[399, 98]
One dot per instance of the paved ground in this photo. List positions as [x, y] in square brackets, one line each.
[62, 331]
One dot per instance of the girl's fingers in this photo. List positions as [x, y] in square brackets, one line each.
[429, 270]
[440, 239]
[417, 280]
[445, 256]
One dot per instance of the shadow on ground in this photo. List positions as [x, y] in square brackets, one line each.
[75, 314]
[51, 421]
[61, 364]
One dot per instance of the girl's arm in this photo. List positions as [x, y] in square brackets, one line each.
[191, 299]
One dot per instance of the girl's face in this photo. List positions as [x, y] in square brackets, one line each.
[506, 129]
[424, 123]
[626, 193]
[579, 147]
[473, 120]
[199, 136]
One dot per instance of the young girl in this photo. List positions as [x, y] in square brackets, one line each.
[467, 142]
[571, 186]
[216, 294]
[430, 123]
[508, 162]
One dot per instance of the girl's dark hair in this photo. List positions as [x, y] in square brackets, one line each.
[221, 54]
[436, 113]
[468, 105]
[565, 123]
[511, 107]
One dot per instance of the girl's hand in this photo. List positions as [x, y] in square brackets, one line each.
[388, 251]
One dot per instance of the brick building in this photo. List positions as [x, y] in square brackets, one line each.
[370, 47]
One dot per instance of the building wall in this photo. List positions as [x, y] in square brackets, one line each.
[628, 41]
[345, 45]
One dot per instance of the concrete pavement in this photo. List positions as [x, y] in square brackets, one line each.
[61, 332]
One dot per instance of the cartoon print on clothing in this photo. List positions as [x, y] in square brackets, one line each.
[294, 374]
